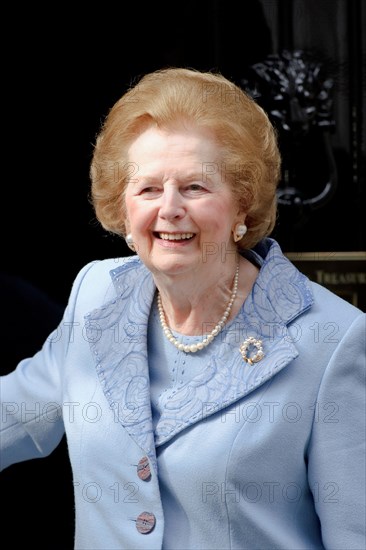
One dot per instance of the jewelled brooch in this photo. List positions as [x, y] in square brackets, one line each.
[246, 350]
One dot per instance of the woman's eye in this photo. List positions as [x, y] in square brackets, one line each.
[195, 187]
[149, 190]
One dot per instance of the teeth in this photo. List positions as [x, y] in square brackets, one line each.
[175, 236]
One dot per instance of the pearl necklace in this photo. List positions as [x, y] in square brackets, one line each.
[209, 337]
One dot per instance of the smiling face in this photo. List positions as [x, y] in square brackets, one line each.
[180, 211]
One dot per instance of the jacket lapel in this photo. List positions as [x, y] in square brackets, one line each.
[120, 351]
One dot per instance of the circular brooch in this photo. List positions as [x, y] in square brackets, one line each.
[246, 350]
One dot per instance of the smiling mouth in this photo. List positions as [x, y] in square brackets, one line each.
[174, 236]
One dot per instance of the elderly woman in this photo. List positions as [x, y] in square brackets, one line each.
[212, 396]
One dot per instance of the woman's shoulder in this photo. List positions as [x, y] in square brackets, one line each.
[331, 319]
[107, 268]
[334, 303]
[97, 281]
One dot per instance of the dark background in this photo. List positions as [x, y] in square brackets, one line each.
[62, 71]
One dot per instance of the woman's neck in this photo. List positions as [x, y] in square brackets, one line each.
[193, 306]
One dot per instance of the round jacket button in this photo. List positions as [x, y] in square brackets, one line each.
[143, 469]
[145, 522]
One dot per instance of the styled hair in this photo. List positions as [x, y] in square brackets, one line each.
[167, 98]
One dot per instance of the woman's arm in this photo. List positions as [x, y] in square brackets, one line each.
[337, 455]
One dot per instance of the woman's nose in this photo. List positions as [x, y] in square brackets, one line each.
[172, 205]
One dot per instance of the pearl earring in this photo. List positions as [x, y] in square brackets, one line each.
[239, 231]
[129, 242]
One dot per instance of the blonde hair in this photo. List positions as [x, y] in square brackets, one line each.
[167, 97]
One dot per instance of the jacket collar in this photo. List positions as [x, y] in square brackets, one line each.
[279, 295]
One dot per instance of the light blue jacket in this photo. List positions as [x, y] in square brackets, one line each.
[262, 456]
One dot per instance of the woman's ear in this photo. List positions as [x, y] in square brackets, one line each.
[239, 231]
[126, 226]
